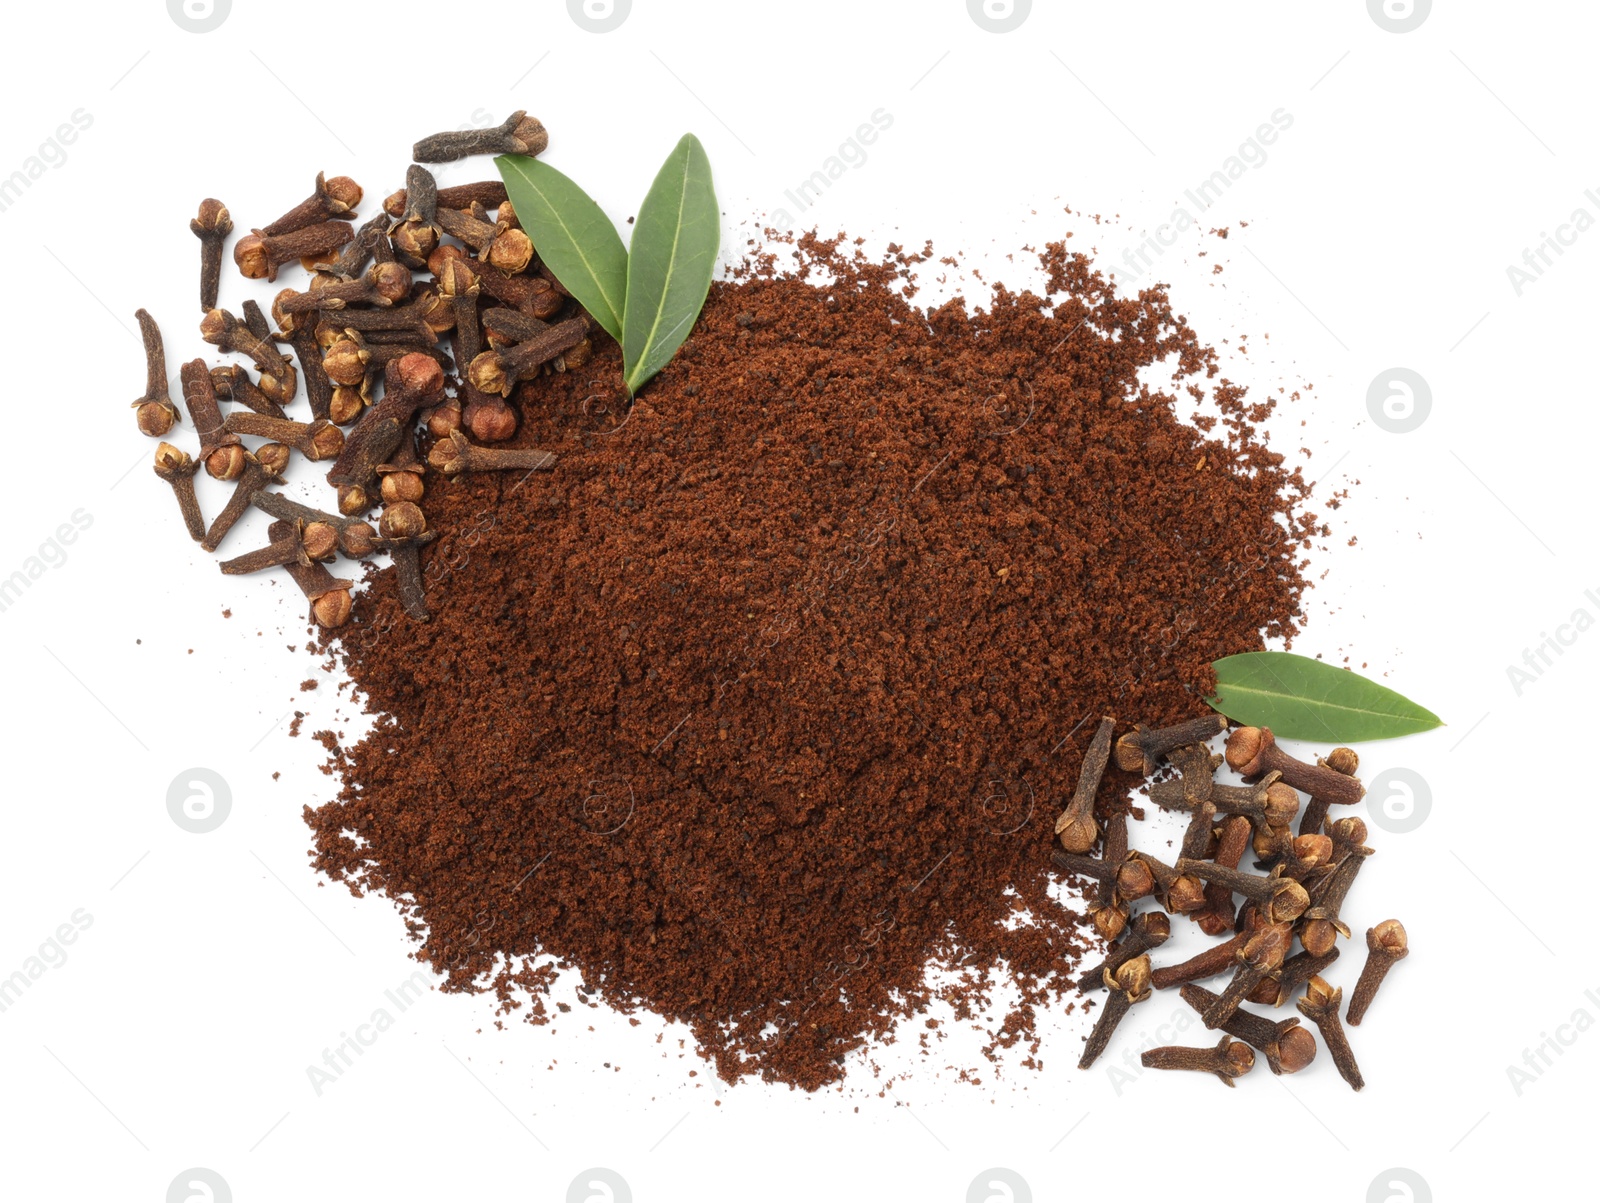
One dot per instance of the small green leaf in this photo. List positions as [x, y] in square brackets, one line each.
[1301, 698]
[674, 252]
[572, 235]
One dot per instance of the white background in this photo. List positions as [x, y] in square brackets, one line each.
[1418, 166]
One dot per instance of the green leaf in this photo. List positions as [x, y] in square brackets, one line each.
[674, 252]
[572, 235]
[1301, 698]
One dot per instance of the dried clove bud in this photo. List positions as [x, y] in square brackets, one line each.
[200, 398]
[497, 371]
[329, 198]
[1320, 925]
[1278, 987]
[1321, 1007]
[233, 382]
[371, 242]
[281, 551]
[490, 419]
[456, 456]
[156, 411]
[1142, 874]
[252, 479]
[355, 538]
[316, 440]
[382, 285]
[1130, 984]
[1075, 826]
[518, 134]
[1252, 751]
[491, 194]
[259, 254]
[1141, 750]
[211, 225]
[176, 468]
[1282, 898]
[1230, 1059]
[1218, 914]
[1387, 944]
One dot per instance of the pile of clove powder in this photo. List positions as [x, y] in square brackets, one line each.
[365, 336]
[1297, 895]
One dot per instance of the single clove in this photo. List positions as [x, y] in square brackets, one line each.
[1108, 912]
[156, 410]
[1230, 1059]
[1288, 1047]
[1387, 944]
[252, 479]
[370, 242]
[176, 468]
[219, 449]
[1321, 1007]
[518, 134]
[260, 255]
[1149, 930]
[288, 550]
[382, 285]
[1252, 751]
[1130, 984]
[1340, 760]
[211, 225]
[1075, 826]
[404, 531]
[1141, 750]
[497, 371]
[1219, 958]
[329, 198]
[455, 456]
[318, 439]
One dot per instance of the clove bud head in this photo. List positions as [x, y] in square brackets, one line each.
[1078, 833]
[1320, 996]
[332, 609]
[1388, 938]
[403, 520]
[1343, 760]
[1282, 804]
[274, 457]
[213, 218]
[226, 463]
[353, 500]
[319, 540]
[1245, 745]
[1297, 1048]
[490, 419]
[250, 255]
[400, 486]
[155, 418]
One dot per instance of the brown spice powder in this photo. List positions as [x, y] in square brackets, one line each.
[766, 698]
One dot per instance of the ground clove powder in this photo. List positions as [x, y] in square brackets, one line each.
[765, 699]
